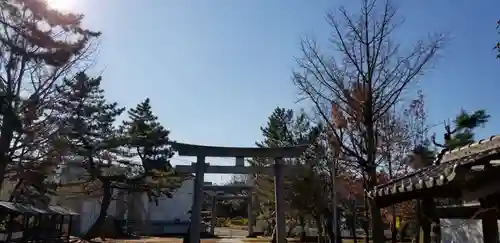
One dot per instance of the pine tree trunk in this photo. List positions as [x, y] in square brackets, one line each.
[103, 213]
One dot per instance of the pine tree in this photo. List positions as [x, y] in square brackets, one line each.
[276, 134]
[303, 191]
[463, 131]
[86, 121]
[149, 141]
[465, 123]
[28, 19]
[46, 44]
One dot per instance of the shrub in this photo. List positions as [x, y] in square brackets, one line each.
[223, 222]
[239, 222]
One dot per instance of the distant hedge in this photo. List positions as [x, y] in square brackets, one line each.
[226, 222]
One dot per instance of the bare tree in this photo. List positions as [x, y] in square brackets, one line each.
[353, 87]
[400, 134]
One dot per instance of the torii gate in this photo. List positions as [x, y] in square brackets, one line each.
[219, 193]
[200, 168]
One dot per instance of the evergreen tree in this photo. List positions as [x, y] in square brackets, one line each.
[38, 45]
[461, 134]
[149, 141]
[276, 134]
[304, 192]
[28, 21]
[463, 131]
[86, 121]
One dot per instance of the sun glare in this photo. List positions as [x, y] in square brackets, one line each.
[63, 5]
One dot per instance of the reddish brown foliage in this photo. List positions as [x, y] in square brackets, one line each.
[352, 112]
[338, 117]
[358, 95]
[405, 211]
[353, 186]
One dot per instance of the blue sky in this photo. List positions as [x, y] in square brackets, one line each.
[215, 69]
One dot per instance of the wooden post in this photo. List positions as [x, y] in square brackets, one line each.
[429, 222]
[70, 223]
[489, 221]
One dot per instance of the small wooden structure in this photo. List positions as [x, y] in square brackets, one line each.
[26, 223]
[468, 173]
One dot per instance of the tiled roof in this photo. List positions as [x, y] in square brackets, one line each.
[21, 208]
[30, 209]
[61, 210]
[444, 172]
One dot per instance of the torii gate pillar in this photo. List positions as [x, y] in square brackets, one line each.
[279, 197]
[251, 218]
[195, 228]
[213, 221]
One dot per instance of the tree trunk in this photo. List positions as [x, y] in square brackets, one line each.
[14, 190]
[329, 227]
[319, 228]
[394, 232]
[353, 229]
[303, 227]
[270, 227]
[103, 213]
[273, 236]
[375, 216]
[338, 230]
[376, 223]
[366, 220]
[7, 134]
[354, 224]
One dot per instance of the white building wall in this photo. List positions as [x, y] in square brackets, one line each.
[89, 212]
[168, 209]
[171, 209]
[7, 188]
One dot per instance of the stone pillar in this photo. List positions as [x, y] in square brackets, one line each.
[279, 201]
[197, 200]
[250, 215]
[214, 214]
